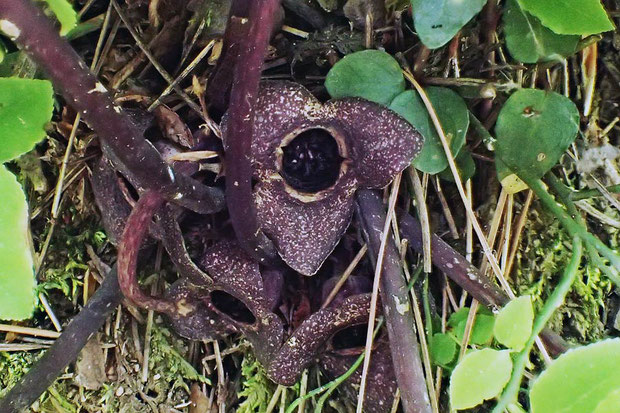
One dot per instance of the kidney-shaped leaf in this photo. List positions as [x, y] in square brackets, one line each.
[481, 375]
[513, 324]
[437, 21]
[25, 108]
[16, 273]
[583, 17]
[454, 118]
[529, 41]
[369, 74]
[578, 380]
[533, 130]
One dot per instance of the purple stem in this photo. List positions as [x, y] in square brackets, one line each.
[122, 140]
[136, 228]
[238, 135]
[394, 296]
[220, 82]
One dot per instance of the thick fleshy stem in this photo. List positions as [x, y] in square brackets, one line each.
[396, 307]
[122, 140]
[66, 347]
[459, 270]
[136, 228]
[238, 135]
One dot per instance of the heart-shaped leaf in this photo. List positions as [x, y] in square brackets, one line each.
[453, 115]
[16, 271]
[533, 130]
[578, 380]
[529, 41]
[25, 108]
[582, 17]
[369, 74]
[437, 21]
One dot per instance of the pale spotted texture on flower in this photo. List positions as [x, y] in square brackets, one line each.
[373, 145]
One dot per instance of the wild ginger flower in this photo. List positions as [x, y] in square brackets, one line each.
[309, 158]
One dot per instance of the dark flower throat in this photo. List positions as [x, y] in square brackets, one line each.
[311, 161]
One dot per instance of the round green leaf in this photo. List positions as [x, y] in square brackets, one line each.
[582, 17]
[437, 21]
[481, 375]
[513, 324]
[578, 380]
[482, 331]
[453, 115]
[25, 108]
[442, 349]
[529, 41]
[533, 130]
[370, 74]
[464, 164]
[16, 270]
[610, 404]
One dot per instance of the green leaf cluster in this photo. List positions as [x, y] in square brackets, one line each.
[376, 76]
[25, 108]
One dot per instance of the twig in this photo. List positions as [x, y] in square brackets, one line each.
[29, 331]
[488, 252]
[418, 191]
[345, 275]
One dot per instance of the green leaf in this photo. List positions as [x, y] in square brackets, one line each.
[65, 14]
[369, 74]
[482, 331]
[25, 108]
[578, 380]
[582, 17]
[533, 130]
[481, 375]
[16, 268]
[513, 324]
[529, 41]
[442, 349]
[610, 404]
[437, 21]
[464, 164]
[453, 115]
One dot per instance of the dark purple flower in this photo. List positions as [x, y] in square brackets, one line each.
[309, 159]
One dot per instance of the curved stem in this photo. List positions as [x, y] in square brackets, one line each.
[121, 139]
[136, 229]
[564, 193]
[238, 136]
[509, 396]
